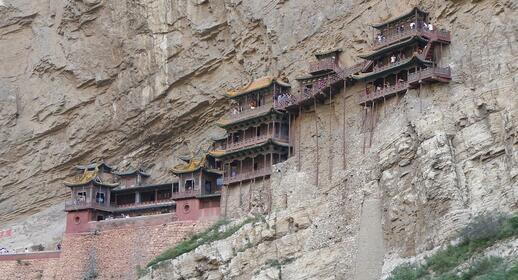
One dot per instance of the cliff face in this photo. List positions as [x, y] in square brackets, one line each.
[138, 82]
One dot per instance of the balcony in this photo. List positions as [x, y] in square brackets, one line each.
[246, 113]
[143, 205]
[247, 142]
[434, 35]
[442, 74]
[367, 96]
[74, 205]
[323, 65]
[248, 175]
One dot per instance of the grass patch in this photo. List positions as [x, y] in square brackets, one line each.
[213, 233]
[481, 233]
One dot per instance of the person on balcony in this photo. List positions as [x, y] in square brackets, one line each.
[430, 27]
[252, 104]
[235, 111]
[378, 88]
[412, 25]
[402, 29]
[393, 59]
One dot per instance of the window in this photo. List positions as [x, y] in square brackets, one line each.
[81, 196]
[176, 187]
[208, 186]
[99, 197]
[189, 184]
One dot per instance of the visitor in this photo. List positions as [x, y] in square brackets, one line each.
[378, 88]
[234, 111]
[58, 246]
[412, 25]
[3, 251]
[425, 25]
[430, 27]
[393, 59]
[26, 250]
[402, 29]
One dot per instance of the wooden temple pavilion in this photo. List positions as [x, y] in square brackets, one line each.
[98, 193]
[90, 195]
[403, 55]
[257, 132]
[198, 192]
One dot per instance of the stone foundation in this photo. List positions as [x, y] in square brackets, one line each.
[114, 250]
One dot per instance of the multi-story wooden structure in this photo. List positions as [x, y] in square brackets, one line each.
[198, 192]
[99, 193]
[404, 55]
[257, 135]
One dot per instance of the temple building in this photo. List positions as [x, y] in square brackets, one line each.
[198, 192]
[405, 54]
[90, 196]
[100, 193]
[257, 137]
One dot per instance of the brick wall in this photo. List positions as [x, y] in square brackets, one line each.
[113, 252]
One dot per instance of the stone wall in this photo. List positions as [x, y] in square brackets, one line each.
[42, 268]
[114, 251]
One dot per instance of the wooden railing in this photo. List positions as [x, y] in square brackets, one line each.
[427, 73]
[377, 94]
[248, 175]
[433, 35]
[246, 113]
[71, 205]
[319, 86]
[253, 141]
[323, 65]
[144, 204]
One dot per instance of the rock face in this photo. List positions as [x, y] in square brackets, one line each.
[140, 82]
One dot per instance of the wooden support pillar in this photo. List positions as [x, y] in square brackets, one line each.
[316, 141]
[298, 139]
[344, 125]
[289, 135]
[330, 157]
[241, 183]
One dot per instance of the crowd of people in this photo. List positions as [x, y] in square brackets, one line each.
[284, 97]
[401, 29]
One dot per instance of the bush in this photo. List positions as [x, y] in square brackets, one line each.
[478, 235]
[484, 227]
[407, 272]
[211, 234]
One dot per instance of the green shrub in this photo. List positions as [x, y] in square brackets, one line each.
[407, 272]
[211, 234]
[484, 227]
[478, 235]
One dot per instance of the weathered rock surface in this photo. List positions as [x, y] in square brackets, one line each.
[138, 82]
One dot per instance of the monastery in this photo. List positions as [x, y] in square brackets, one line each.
[232, 179]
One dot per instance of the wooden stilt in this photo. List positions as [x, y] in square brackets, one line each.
[330, 157]
[343, 128]
[316, 141]
[299, 150]
[289, 135]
